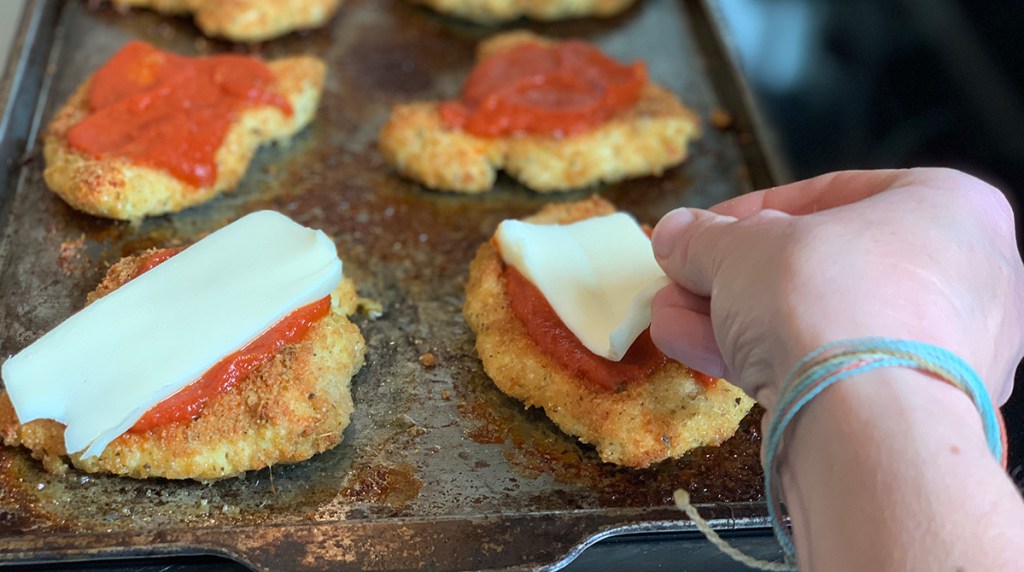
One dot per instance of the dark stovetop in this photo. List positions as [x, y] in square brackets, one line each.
[868, 84]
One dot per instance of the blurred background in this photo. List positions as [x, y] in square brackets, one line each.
[874, 84]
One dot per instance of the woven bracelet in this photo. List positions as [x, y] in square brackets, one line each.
[835, 362]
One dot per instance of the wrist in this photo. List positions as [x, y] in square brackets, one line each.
[881, 408]
[879, 461]
[890, 363]
[837, 361]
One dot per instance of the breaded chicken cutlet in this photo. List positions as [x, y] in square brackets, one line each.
[494, 11]
[287, 410]
[660, 417]
[645, 139]
[117, 188]
[244, 20]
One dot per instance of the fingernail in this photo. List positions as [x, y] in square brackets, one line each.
[664, 238]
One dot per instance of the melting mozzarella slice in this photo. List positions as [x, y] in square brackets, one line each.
[100, 370]
[598, 274]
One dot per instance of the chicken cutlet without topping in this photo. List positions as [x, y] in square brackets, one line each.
[495, 11]
[244, 20]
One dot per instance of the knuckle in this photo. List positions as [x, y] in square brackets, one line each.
[981, 198]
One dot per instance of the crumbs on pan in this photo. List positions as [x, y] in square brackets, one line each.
[70, 254]
[373, 309]
[721, 119]
[428, 359]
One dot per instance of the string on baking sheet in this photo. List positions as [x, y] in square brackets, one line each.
[682, 500]
[825, 366]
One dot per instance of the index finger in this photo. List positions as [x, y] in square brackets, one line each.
[812, 195]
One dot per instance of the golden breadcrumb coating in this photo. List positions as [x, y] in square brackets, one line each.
[650, 420]
[494, 11]
[645, 139]
[117, 188]
[288, 410]
[245, 20]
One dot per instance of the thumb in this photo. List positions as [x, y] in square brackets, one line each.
[689, 244]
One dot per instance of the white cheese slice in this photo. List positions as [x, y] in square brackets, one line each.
[598, 274]
[100, 370]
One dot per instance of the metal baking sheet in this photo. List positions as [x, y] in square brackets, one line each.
[438, 469]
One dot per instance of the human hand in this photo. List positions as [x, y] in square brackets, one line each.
[765, 278]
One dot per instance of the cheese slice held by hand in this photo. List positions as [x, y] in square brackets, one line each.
[598, 274]
[101, 369]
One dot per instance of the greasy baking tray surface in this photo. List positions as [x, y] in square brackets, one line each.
[438, 468]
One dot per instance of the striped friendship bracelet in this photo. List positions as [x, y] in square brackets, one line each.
[840, 360]
[832, 363]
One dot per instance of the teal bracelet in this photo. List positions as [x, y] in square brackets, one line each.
[840, 360]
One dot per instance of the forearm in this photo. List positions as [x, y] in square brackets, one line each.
[890, 470]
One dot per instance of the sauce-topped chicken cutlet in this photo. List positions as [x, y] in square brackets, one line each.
[244, 20]
[569, 335]
[152, 132]
[555, 115]
[93, 392]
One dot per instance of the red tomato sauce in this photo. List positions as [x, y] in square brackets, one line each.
[189, 402]
[560, 90]
[169, 112]
[156, 258]
[556, 340]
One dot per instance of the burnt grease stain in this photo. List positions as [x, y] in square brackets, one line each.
[406, 64]
[533, 446]
[381, 484]
[36, 500]
[22, 497]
